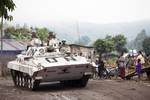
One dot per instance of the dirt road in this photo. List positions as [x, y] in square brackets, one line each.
[95, 90]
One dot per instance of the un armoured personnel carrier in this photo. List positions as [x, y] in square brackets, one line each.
[41, 64]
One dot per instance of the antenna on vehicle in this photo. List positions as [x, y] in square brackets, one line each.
[78, 33]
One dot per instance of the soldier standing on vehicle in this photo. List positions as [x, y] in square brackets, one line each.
[34, 41]
[50, 36]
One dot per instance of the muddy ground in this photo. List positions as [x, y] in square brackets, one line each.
[95, 90]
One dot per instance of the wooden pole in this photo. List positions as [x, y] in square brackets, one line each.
[2, 33]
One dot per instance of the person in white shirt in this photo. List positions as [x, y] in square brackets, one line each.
[35, 41]
[53, 42]
[141, 57]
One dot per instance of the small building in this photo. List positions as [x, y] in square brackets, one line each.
[13, 45]
[85, 51]
[10, 49]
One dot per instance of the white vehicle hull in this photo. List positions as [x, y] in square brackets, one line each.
[53, 73]
[36, 66]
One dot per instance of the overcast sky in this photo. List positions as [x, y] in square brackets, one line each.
[95, 11]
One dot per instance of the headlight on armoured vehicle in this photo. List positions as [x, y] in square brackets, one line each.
[39, 66]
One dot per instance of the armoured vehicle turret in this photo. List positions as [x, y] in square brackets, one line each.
[47, 64]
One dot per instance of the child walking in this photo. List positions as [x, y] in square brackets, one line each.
[138, 68]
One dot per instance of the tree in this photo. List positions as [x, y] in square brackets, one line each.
[139, 40]
[146, 45]
[17, 33]
[108, 37]
[9, 31]
[109, 45]
[22, 33]
[120, 43]
[42, 34]
[5, 6]
[99, 46]
[103, 46]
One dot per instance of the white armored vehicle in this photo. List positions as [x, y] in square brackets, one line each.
[39, 64]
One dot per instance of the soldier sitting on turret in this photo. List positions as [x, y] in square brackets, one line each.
[53, 42]
[35, 41]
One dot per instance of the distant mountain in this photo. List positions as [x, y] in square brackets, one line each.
[71, 31]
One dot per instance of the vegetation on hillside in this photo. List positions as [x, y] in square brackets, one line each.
[138, 41]
[146, 45]
[24, 33]
[109, 44]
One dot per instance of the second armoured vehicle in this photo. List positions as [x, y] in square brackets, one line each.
[41, 64]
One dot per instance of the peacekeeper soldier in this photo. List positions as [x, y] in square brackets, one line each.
[53, 42]
[35, 41]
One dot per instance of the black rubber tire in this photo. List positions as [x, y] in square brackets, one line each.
[13, 74]
[24, 80]
[66, 82]
[83, 81]
[21, 79]
[77, 83]
[17, 79]
[34, 84]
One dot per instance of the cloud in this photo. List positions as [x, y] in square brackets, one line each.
[97, 11]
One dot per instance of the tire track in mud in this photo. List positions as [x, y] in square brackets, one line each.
[95, 90]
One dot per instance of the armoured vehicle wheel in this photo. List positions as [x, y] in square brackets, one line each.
[23, 80]
[17, 80]
[33, 84]
[36, 84]
[20, 80]
[13, 74]
[29, 84]
[79, 83]
[83, 81]
[26, 81]
[28, 72]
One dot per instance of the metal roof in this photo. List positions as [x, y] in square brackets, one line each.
[11, 44]
[80, 45]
